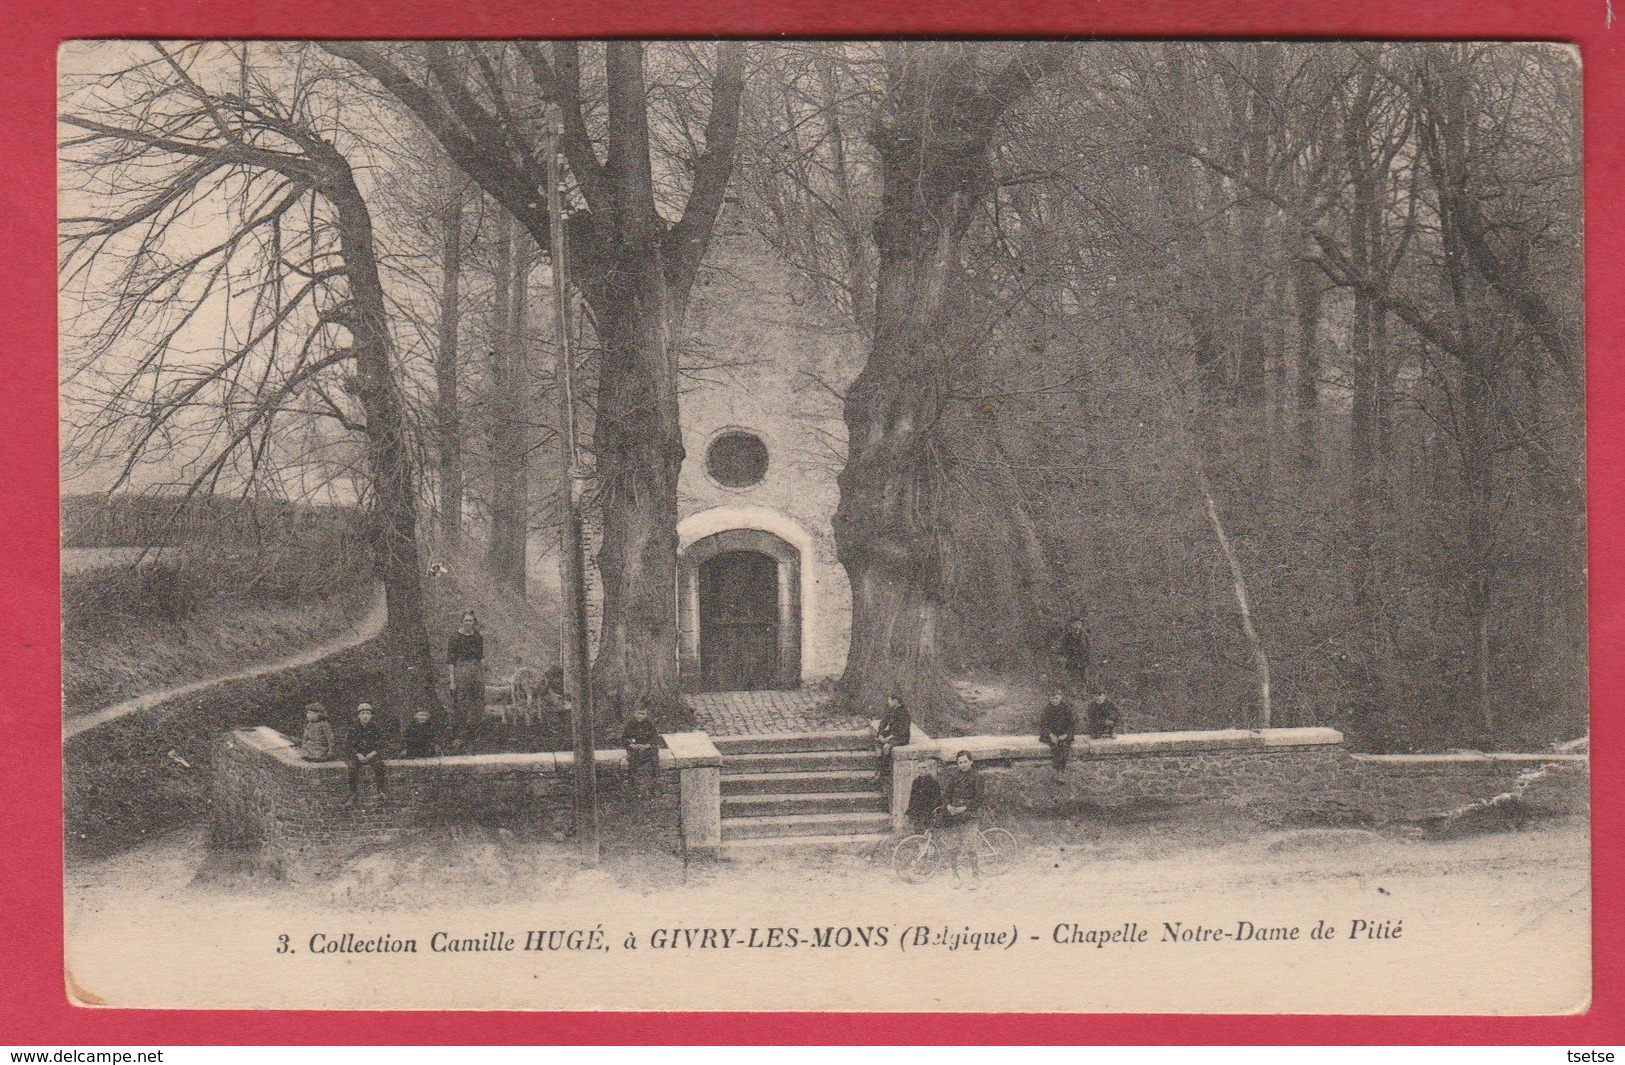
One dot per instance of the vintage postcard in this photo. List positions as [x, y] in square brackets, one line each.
[905, 525]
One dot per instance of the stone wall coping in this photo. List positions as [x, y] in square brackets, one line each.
[756, 737]
[919, 747]
[539, 761]
[1302, 736]
[1471, 756]
[279, 748]
[1128, 744]
[689, 750]
[564, 761]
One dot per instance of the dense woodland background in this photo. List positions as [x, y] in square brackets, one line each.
[1264, 358]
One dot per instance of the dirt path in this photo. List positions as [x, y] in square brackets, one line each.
[1490, 924]
[368, 628]
[88, 559]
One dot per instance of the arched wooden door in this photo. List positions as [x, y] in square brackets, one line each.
[751, 597]
[739, 622]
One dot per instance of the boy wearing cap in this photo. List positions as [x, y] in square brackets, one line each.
[366, 748]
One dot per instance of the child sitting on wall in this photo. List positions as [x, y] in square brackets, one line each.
[366, 751]
[316, 743]
[1102, 718]
[421, 736]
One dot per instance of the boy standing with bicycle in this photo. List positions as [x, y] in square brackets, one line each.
[961, 809]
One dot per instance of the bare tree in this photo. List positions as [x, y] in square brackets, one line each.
[634, 267]
[1271, 209]
[217, 200]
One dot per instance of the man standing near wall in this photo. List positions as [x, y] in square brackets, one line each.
[465, 659]
[642, 751]
[1075, 650]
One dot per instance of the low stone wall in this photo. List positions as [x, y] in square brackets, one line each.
[1238, 778]
[1399, 787]
[1298, 775]
[298, 815]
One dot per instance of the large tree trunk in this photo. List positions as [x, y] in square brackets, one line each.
[1477, 542]
[640, 449]
[1386, 375]
[393, 473]
[1282, 319]
[1364, 222]
[519, 436]
[933, 141]
[448, 423]
[1036, 588]
[637, 436]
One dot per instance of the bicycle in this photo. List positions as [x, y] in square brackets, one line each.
[920, 857]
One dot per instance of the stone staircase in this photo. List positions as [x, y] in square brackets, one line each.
[800, 789]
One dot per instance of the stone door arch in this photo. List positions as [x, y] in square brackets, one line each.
[734, 563]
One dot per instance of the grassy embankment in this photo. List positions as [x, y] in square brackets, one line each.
[117, 665]
[147, 773]
[235, 584]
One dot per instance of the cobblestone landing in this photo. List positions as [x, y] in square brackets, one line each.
[743, 713]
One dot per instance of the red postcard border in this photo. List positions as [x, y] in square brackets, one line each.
[33, 1005]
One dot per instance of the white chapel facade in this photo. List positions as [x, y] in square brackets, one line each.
[762, 601]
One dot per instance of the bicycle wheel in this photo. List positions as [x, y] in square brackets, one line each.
[917, 859]
[995, 847]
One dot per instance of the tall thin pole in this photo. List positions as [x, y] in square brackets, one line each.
[572, 563]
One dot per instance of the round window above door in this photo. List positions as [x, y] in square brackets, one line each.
[736, 459]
